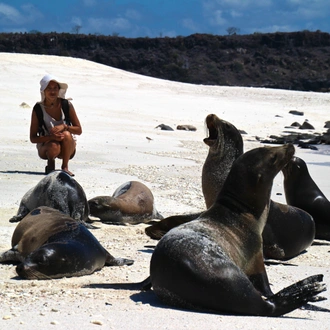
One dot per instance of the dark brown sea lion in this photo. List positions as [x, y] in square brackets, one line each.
[216, 262]
[57, 190]
[225, 145]
[50, 244]
[186, 128]
[164, 127]
[301, 191]
[131, 203]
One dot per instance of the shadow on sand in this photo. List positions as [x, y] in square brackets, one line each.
[23, 172]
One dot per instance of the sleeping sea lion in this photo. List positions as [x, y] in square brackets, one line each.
[57, 190]
[50, 244]
[131, 203]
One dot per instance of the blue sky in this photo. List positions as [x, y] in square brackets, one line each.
[155, 18]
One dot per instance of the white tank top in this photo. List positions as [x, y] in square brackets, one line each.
[50, 122]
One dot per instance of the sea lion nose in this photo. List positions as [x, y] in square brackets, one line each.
[21, 270]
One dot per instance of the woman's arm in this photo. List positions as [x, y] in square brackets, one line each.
[76, 127]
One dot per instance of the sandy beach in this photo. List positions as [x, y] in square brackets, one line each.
[119, 111]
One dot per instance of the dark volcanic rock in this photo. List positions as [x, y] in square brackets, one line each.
[292, 61]
[306, 125]
[296, 113]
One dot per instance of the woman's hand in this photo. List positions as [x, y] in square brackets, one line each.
[56, 134]
[58, 129]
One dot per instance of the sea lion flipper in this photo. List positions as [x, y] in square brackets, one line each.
[16, 218]
[112, 261]
[297, 294]
[158, 229]
[146, 284]
[11, 255]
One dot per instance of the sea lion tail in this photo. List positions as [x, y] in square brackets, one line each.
[298, 294]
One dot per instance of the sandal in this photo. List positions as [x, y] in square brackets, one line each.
[68, 172]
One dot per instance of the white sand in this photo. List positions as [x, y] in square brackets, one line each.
[118, 110]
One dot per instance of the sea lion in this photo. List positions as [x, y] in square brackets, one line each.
[301, 191]
[225, 146]
[50, 244]
[131, 203]
[57, 190]
[216, 262]
[186, 128]
[164, 127]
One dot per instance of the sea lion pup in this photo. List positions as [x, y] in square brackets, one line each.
[301, 191]
[131, 203]
[57, 190]
[50, 244]
[216, 262]
[225, 145]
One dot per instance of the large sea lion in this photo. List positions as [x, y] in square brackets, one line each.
[57, 190]
[216, 262]
[225, 146]
[50, 244]
[301, 191]
[131, 203]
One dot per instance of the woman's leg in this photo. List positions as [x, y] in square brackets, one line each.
[68, 147]
[49, 151]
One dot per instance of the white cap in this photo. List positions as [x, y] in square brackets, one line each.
[44, 83]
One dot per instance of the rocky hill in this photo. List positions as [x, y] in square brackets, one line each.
[296, 61]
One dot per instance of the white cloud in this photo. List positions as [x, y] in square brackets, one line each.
[189, 24]
[217, 18]
[279, 28]
[89, 3]
[234, 13]
[311, 13]
[271, 29]
[133, 14]
[115, 24]
[229, 4]
[76, 21]
[10, 14]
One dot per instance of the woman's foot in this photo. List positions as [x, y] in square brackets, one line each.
[67, 171]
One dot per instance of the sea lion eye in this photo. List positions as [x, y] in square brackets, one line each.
[43, 260]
